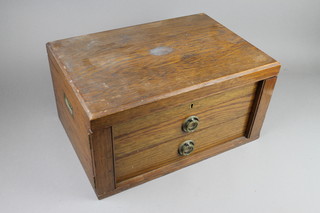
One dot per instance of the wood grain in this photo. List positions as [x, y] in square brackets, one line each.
[232, 98]
[166, 153]
[262, 101]
[196, 93]
[131, 89]
[114, 70]
[138, 134]
[181, 163]
[76, 126]
[223, 117]
[102, 150]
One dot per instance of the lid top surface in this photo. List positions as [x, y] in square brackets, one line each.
[124, 68]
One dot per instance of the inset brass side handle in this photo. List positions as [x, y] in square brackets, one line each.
[68, 104]
[190, 124]
[186, 148]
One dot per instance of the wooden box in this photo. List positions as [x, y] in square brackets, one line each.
[143, 101]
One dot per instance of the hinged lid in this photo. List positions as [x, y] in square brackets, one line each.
[124, 68]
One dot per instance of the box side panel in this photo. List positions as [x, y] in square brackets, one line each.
[72, 117]
[262, 100]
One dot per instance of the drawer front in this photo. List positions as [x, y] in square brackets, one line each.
[149, 142]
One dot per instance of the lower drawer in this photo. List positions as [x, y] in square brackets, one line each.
[147, 143]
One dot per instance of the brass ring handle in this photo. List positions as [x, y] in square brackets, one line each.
[190, 124]
[186, 148]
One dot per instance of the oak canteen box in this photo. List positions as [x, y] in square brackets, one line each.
[143, 101]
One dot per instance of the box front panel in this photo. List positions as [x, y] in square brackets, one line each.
[150, 142]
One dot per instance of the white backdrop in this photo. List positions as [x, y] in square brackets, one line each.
[280, 172]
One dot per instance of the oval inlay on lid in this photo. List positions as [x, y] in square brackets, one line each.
[163, 50]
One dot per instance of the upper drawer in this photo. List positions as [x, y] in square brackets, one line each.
[151, 141]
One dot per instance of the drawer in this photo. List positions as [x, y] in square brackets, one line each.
[149, 142]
